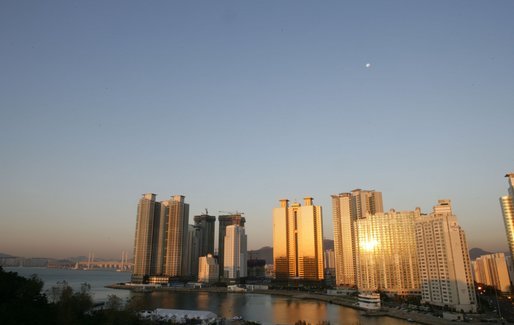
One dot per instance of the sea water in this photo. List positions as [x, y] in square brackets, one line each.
[266, 309]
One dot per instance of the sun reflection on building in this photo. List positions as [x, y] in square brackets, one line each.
[386, 254]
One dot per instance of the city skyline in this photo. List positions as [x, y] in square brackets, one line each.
[325, 235]
[236, 105]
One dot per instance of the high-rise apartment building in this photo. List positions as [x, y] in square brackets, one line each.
[444, 265]
[346, 209]
[492, 270]
[386, 253]
[298, 241]
[224, 221]
[148, 211]
[235, 254]
[507, 205]
[161, 238]
[205, 224]
[175, 248]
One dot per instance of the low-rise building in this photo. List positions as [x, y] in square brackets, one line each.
[208, 269]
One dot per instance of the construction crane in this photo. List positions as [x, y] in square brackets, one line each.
[231, 213]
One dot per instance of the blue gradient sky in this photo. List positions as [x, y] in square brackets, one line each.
[237, 104]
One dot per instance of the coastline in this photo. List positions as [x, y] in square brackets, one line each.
[349, 302]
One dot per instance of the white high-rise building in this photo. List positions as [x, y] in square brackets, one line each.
[235, 255]
[492, 270]
[507, 205]
[208, 269]
[224, 221]
[346, 209]
[445, 268]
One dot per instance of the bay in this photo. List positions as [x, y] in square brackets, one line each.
[96, 278]
[266, 309]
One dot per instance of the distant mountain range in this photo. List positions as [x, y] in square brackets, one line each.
[266, 253]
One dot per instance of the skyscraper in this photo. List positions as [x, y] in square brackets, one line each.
[160, 242]
[386, 253]
[144, 240]
[235, 254]
[175, 248]
[346, 209]
[445, 268]
[224, 221]
[206, 225]
[507, 204]
[298, 241]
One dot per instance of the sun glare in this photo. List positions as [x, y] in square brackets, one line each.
[369, 245]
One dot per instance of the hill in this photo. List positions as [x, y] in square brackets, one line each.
[476, 252]
[264, 253]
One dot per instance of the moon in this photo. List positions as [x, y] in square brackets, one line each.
[368, 65]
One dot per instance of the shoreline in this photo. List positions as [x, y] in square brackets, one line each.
[411, 316]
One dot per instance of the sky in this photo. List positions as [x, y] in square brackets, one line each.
[238, 104]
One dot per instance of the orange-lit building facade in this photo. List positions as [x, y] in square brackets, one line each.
[298, 241]
[386, 254]
[148, 211]
[346, 209]
[491, 270]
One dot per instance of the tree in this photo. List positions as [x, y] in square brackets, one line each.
[21, 300]
[71, 307]
[114, 302]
